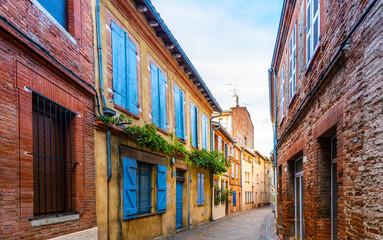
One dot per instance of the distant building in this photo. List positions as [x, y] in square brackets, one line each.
[326, 107]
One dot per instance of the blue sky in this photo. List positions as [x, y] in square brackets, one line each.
[230, 42]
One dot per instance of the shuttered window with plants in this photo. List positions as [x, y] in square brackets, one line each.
[53, 165]
[158, 83]
[124, 54]
[179, 109]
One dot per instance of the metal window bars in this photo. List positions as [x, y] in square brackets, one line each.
[53, 163]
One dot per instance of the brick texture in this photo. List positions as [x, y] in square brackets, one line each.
[24, 64]
[348, 104]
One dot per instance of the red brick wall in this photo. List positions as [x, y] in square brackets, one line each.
[23, 64]
[348, 104]
[242, 126]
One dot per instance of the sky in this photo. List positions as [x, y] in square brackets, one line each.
[230, 42]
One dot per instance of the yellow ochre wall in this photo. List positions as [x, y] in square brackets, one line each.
[154, 225]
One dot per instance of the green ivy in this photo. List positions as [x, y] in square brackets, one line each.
[148, 136]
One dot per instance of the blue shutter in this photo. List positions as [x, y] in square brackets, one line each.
[234, 197]
[161, 188]
[58, 9]
[162, 99]
[177, 110]
[198, 188]
[182, 115]
[155, 104]
[130, 188]
[119, 67]
[204, 131]
[202, 188]
[196, 128]
[131, 55]
[193, 124]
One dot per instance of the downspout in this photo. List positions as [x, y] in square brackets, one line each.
[118, 187]
[211, 173]
[109, 172]
[275, 140]
[189, 178]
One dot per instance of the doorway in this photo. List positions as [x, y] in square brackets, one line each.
[298, 192]
[179, 194]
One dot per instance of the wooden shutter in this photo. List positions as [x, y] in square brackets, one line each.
[182, 114]
[155, 95]
[308, 31]
[202, 188]
[132, 88]
[219, 143]
[129, 188]
[196, 126]
[177, 110]
[193, 124]
[58, 9]
[119, 66]
[162, 99]
[161, 188]
[198, 188]
[234, 197]
[316, 24]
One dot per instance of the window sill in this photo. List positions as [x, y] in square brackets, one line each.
[181, 140]
[200, 205]
[161, 130]
[145, 215]
[43, 221]
[292, 99]
[309, 64]
[126, 111]
[283, 118]
[195, 148]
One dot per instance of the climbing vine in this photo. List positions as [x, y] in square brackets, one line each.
[148, 136]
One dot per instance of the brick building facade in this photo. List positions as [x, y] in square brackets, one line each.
[47, 180]
[326, 106]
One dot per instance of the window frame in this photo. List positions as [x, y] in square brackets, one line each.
[292, 63]
[149, 167]
[311, 17]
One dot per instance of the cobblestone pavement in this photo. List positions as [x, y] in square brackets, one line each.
[257, 223]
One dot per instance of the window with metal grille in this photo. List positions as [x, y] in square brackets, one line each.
[52, 157]
[144, 188]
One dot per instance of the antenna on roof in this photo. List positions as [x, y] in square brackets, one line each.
[235, 88]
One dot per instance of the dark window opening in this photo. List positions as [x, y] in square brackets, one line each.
[144, 187]
[52, 157]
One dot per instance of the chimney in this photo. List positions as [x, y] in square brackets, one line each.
[236, 100]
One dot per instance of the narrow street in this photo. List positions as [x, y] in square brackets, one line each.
[257, 223]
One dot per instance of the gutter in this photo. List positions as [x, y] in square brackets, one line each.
[162, 24]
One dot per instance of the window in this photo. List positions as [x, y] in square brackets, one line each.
[219, 143]
[137, 188]
[124, 56]
[58, 9]
[200, 189]
[226, 150]
[232, 170]
[232, 151]
[312, 28]
[234, 197]
[204, 131]
[144, 188]
[236, 171]
[282, 92]
[158, 82]
[292, 64]
[179, 110]
[194, 125]
[52, 157]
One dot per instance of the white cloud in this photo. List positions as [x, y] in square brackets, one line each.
[229, 42]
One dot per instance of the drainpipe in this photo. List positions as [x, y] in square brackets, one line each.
[211, 173]
[189, 203]
[107, 111]
[109, 172]
[118, 187]
[275, 140]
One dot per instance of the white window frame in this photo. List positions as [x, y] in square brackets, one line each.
[282, 92]
[292, 64]
[311, 17]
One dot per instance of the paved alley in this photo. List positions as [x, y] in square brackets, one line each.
[257, 223]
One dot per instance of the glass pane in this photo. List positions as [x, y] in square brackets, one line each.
[299, 166]
[297, 207]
